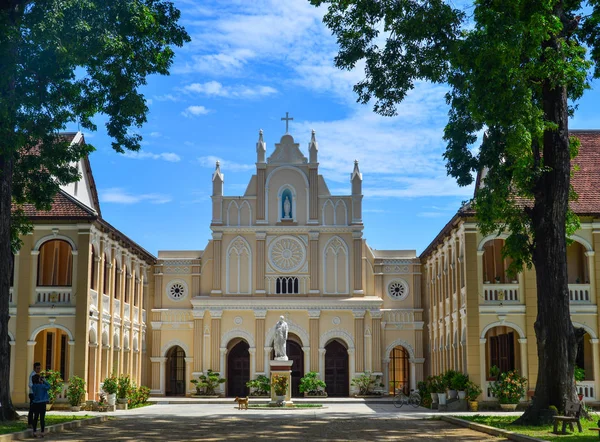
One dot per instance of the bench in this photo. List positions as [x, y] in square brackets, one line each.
[572, 414]
[596, 429]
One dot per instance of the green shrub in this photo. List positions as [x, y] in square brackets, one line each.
[139, 396]
[473, 391]
[365, 383]
[579, 374]
[56, 383]
[425, 391]
[509, 388]
[124, 386]
[448, 377]
[76, 391]
[261, 386]
[311, 384]
[207, 383]
[110, 385]
[459, 381]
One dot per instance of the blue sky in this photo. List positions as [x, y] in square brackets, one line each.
[247, 65]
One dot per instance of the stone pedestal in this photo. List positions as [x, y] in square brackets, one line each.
[282, 368]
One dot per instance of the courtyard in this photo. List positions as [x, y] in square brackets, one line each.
[224, 422]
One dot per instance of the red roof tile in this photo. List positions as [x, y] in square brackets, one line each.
[63, 206]
[586, 180]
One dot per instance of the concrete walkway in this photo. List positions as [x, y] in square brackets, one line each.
[338, 422]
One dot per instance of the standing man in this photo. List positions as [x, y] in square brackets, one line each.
[37, 368]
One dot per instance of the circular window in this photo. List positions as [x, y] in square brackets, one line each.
[398, 289]
[287, 254]
[177, 290]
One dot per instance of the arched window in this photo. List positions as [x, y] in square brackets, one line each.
[287, 285]
[55, 264]
[287, 204]
[106, 275]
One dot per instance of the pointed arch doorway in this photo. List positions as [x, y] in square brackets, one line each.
[337, 375]
[238, 369]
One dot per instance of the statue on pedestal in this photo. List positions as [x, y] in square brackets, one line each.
[281, 334]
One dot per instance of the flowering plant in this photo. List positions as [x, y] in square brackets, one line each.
[509, 388]
[279, 384]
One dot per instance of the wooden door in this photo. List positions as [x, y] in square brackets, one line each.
[336, 370]
[238, 370]
[295, 354]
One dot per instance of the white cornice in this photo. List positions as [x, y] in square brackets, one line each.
[285, 229]
[363, 303]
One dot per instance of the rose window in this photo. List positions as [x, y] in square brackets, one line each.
[177, 290]
[287, 254]
[398, 290]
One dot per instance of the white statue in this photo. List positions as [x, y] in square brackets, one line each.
[286, 208]
[281, 334]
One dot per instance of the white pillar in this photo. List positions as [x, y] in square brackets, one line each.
[223, 369]
[252, 351]
[163, 373]
[595, 365]
[590, 262]
[306, 351]
[386, 374]
[189, 368]
[352, 367]
[322, 363]
[483, 376]
[71, 359]
[206, 349]
[12, 368]
[413, 375]
[267, 353]
[524, 362]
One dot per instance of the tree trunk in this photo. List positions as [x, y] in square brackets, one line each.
[555, 335]
[7, 411]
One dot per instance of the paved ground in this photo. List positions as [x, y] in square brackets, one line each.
[337, 422]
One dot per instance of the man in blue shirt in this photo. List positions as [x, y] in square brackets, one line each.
[37, 368]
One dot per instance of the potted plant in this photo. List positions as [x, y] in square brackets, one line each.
[56, 385]
[497, 279]
[102, 406]
[459, 383]
[365, 383]
[280, 384]
[579, 374]
[440, 388]
[311, 385]
[473, 391]
[509, 389]
[206, 384]
[261, 386]
[494, 372]
[431, 387]
[448, 382]
[110, 387]
[123, 388]
[76, 392]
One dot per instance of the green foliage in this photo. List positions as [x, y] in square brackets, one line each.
[311, 384]
[110, 385]
[76, 391]
[56, 383]
[473, 391]
[261, 386]
[459, 381]
[579, 374]
[494, 371]
[207, 383]
[124, 386]
[425, 391]
[509, 388]
[448, 377]
[279, 383]
[138, 396]
[366, 382]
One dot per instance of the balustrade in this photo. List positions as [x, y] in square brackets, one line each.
[106, 304]
[586, 388]
[136, 313]
[126, 311]
[117, 304]
[94, 299]
[579, 293]
[398, 316]
[496, 293]
[143, 316]
[53, 295]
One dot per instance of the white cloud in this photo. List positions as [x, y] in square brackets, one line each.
[226, 165]
[194, 111]
[155, 134]
[119, 196]
[216, 89]
[166, 156]
[166, 97]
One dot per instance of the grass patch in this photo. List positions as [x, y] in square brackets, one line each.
[51, 419]
[543, 432]
[145, 404]
[294, 406]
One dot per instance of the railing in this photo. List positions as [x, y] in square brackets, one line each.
[106, 304]
[117, 306]
[136, 314]
[579, 293]
[175, 315]
[398, 316]
[143, 316]
[496, 293]
[586, 388]
[53, 295]
[94, 299]
[126, 311]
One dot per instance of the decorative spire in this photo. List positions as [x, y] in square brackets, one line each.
[261, 148]
[217, 173]
[356, 171]
[313, 148]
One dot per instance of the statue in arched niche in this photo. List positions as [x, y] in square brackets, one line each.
[287, 208]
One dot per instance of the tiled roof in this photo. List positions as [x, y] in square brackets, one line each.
[586, 180]
[63, 206]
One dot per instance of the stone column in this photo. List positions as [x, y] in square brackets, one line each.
[155, 355]
[351, 359]
[482, 371]
[313, 263]
[306, 351]
[215, 344]
[321, 363]
[267, 367]
[313, 182]
[189, 375]
[196, 274]
[206, 363]
[222, 356]
[314, 335]
[216, 242]
[82, 305]
[419, 374]
[259, 335]
[260, 193]
[378, 277]
[260, 261]
[386, 375]
[92, 386]
[376, 330]
[357, 267]
[591, 273]
[524, 362]
[252, 352]
[359, 336]
[595, 365]
[198, 316]
[413, 375]
[71, 354]
[158, 375]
